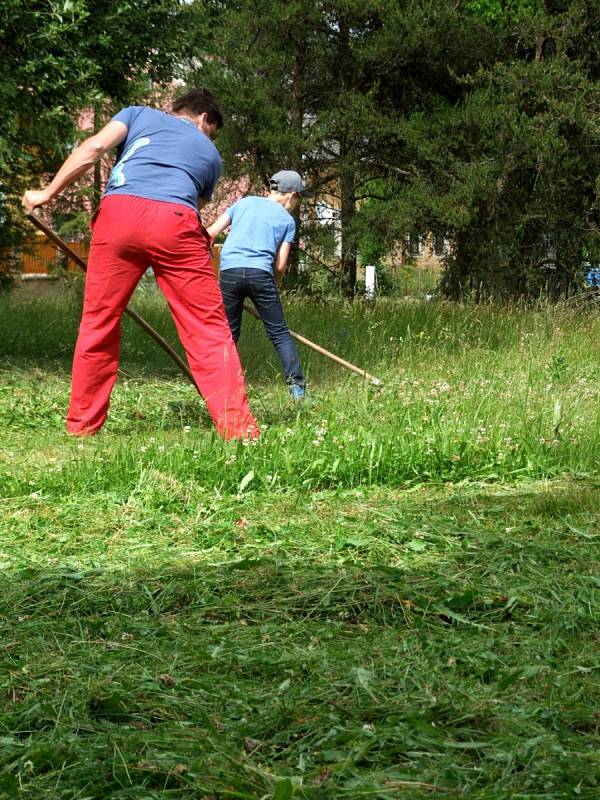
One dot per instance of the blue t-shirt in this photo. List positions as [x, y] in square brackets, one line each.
[164, 158]
[258, 227]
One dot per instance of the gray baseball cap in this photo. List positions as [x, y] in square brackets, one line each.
[286, 180]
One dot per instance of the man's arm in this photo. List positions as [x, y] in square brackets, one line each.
[280, 262]
[209, 188]
[79, 162]
[218, 226]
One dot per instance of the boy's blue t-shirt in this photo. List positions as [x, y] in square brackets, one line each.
[258, 227]
[164, 158]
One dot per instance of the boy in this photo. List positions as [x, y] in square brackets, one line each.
[253, 263]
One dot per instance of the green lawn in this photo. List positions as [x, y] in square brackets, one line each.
[394, 594]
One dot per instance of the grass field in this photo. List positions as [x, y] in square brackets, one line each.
[395, 593]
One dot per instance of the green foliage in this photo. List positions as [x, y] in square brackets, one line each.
[308, 86]
[476, 119]
[507, 167]
[6, 282]
[504, 12]
[371, 248]
[61, 57]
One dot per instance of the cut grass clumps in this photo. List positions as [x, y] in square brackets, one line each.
[469, 666]
[394, 593]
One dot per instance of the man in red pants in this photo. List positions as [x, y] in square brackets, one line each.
[166, 170]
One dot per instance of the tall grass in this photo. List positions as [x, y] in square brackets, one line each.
[477, 393]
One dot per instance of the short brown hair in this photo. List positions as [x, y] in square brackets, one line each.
[200, 101]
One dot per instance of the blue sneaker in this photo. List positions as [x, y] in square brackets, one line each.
[297, 392]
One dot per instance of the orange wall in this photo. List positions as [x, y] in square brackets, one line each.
[39, 254]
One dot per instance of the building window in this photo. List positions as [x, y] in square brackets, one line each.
[440, 245]
[416, 245]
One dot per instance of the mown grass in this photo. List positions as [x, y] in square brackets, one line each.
[395, 593]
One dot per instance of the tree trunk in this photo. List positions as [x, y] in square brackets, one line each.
[296, 124]
[346, 168]
[348, 208]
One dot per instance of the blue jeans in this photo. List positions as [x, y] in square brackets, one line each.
[239, 283]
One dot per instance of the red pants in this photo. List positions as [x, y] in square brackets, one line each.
[130, 234]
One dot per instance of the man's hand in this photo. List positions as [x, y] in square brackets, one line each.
[33, 198]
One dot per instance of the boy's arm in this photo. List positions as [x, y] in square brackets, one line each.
[280, 262]
[80, 161]
[218, 226]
